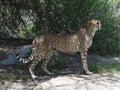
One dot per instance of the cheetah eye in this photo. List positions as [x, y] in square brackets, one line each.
[97, 23]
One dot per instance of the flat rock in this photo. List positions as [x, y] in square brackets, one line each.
[93, 82]
[73, 82]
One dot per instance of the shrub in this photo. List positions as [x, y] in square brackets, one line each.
[62, 17]
[110, 67]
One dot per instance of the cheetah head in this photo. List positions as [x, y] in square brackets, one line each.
[94, 24]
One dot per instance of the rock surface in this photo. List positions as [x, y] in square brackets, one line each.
[10, 56]
[72, 82]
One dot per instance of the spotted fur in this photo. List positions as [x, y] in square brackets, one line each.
[46, 45]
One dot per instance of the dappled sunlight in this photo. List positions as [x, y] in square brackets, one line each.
[117, 58]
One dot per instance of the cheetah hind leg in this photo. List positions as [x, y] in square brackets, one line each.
[44, 67]
[31, 69]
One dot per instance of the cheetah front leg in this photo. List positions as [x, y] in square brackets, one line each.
[84, 61]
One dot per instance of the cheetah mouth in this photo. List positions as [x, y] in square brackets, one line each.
[99, 28]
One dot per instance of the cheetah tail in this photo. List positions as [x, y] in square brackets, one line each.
[26, 60]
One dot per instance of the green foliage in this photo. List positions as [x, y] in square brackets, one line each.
[57, 63]
[111, 67]
[5, 77]
[107, 42]
[36, 17]
[26, 31]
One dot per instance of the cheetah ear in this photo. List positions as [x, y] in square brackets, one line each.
[98, 22]
[89, 23]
